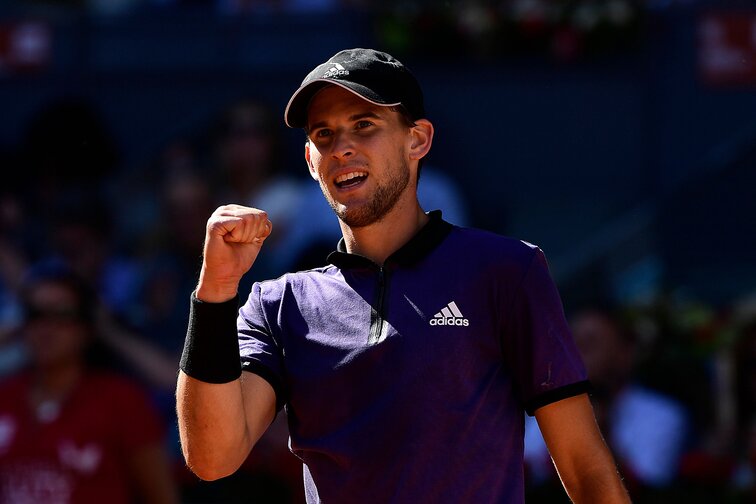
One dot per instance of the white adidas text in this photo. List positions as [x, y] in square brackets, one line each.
[450, 315]
[450, 321]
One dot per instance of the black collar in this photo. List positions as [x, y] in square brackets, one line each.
[419, 246]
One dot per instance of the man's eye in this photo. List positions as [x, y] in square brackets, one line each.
[363, 124]
[322, 133]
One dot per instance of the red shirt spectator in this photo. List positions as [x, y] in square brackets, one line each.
[69, 431]
[81, 449]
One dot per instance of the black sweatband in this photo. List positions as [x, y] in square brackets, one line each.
[211, 348]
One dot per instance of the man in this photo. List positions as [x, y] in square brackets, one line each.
[405, 365]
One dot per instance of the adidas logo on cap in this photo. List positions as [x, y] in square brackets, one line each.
[335, 71]
[449, 316]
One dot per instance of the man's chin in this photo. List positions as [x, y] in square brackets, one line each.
[357, 216]
[356, 220]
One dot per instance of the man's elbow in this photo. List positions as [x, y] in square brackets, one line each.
[602, 484]
[209, 473]
[208, 467]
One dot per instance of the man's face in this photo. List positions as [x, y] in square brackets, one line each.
[358, 152]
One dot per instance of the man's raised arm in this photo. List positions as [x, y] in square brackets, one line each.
[222, 412]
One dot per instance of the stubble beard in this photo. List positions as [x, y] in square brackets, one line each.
[381, 203]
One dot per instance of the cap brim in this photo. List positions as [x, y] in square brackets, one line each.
[295, 115]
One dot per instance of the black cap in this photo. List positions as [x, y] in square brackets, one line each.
[373, 75]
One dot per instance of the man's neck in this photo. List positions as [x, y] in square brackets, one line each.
[381, 239]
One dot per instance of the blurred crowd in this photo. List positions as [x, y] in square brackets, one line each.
[564, 30]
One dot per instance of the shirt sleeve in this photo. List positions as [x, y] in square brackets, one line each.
[538, 344]
[259, 351]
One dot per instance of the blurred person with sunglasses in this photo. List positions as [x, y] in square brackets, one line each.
[70, 430]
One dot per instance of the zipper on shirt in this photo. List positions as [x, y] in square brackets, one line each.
[377, 315]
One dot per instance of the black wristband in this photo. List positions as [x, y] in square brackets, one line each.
[211, 348]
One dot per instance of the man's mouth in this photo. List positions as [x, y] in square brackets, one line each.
[350, 179]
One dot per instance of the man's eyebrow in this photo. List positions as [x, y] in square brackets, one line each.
[319, 124]
[365, 115]
[352, 118]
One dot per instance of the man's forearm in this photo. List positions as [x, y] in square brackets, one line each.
[582, 458]
[214, 436]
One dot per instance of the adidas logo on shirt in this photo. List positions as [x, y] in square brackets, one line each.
[449, 316]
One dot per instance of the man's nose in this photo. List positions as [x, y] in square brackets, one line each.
[343, 145]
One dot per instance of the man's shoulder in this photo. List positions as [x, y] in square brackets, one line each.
[484, 235]
[293, 282]
[293, 277]
[487, 244]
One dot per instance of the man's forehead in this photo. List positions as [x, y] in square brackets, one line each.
[332, 101]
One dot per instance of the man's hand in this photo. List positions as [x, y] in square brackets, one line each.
[233, 238]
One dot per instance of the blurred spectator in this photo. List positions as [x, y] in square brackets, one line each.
[81, 238]
[745, 395]
[66, 154]
[70, 431]
[13, 261]
[247, 148]
[438, 191]
[646, 430]
[49, 209]
[726, 457]
[172, 255]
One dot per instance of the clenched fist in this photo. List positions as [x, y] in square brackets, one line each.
[233, 238]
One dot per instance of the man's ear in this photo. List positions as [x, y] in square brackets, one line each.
[422, 139]
[313, 173]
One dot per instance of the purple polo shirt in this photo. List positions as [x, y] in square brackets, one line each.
[408, 382]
